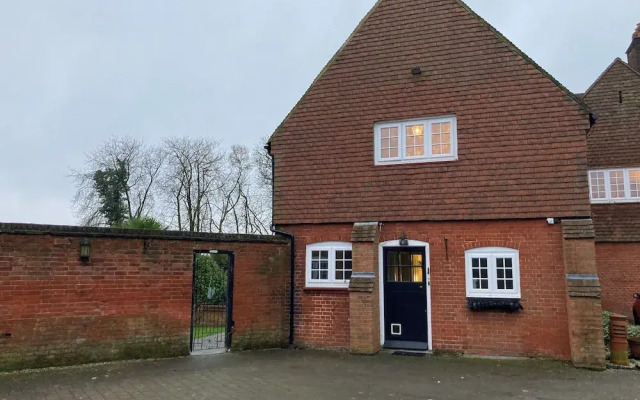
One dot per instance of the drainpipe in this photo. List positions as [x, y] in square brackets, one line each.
[292, 250]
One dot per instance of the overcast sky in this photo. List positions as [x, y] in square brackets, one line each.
[73, 73]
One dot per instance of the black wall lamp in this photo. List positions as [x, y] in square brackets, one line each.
[85, 250]
[403, 240]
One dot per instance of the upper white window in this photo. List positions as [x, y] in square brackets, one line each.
[424, 140]
[492, 272]
[615, 185]
[329, 264]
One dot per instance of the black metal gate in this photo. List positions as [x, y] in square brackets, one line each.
[212, 301]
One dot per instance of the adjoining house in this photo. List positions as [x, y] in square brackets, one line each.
[614, 173]
[435, 180]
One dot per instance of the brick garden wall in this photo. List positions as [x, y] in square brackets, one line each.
[133, 298]
[541, 329]
[619, 272]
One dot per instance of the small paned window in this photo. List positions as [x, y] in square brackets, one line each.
[480, 272]
[426, 140]
[492, 272]
[344, 265]
[441, 138]
[389, 148]
[634, 183]
[598, 185]
[403, 266]
[616, 180]
[320, 265]
[329, 264]
[615, 185]
[415, 140]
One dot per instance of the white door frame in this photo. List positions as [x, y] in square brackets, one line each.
[427, 270]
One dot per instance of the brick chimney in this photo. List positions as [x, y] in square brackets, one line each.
[633, 54]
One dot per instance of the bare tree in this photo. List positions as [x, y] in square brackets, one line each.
[202, 187]
[263, 192]
[249, 212]
[192, 177]
[141, 167]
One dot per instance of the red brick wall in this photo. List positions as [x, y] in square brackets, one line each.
[541, 329]
[321, 315]
[131, 300]
[619, 272]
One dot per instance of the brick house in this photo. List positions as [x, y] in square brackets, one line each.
[614, 173]
[435, 180]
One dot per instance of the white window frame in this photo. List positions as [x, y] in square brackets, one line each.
[332, 248]
[428, 148]
[492, 253]
[607, 183]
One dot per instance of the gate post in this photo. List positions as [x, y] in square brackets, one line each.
[584, 309]
[364, 300]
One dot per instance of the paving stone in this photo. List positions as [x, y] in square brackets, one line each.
[291, 374]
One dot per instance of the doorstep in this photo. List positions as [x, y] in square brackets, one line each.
[404, 345]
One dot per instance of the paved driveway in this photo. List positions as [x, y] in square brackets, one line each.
[322, 375]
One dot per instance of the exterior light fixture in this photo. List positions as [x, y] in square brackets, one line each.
[403, 240]
[85, 250]
[416, 71]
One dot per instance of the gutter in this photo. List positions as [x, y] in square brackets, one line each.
[292, 251]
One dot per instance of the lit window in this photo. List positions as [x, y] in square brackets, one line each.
[403, 266]
[616, 180]
[598, 185]
[428, 140]
[634, 183]
[615, 185]
[415, 140]
[329, 264]
[492, 272]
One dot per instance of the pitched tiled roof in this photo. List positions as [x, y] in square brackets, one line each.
[521, 135]
[613, 142]
[617, 222]
[498, 34]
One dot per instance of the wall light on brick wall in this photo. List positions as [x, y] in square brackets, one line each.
[85, 250]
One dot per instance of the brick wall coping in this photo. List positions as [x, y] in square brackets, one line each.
[65, 230]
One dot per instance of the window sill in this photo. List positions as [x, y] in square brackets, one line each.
[420, 160]
[325, 289]
[493, 304]
[615, 201]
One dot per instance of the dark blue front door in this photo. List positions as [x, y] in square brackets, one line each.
[405, 298]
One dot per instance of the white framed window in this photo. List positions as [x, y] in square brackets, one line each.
[620, 185]
[492, 272]
[422, 140]
[329, 264]
[598, 185]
